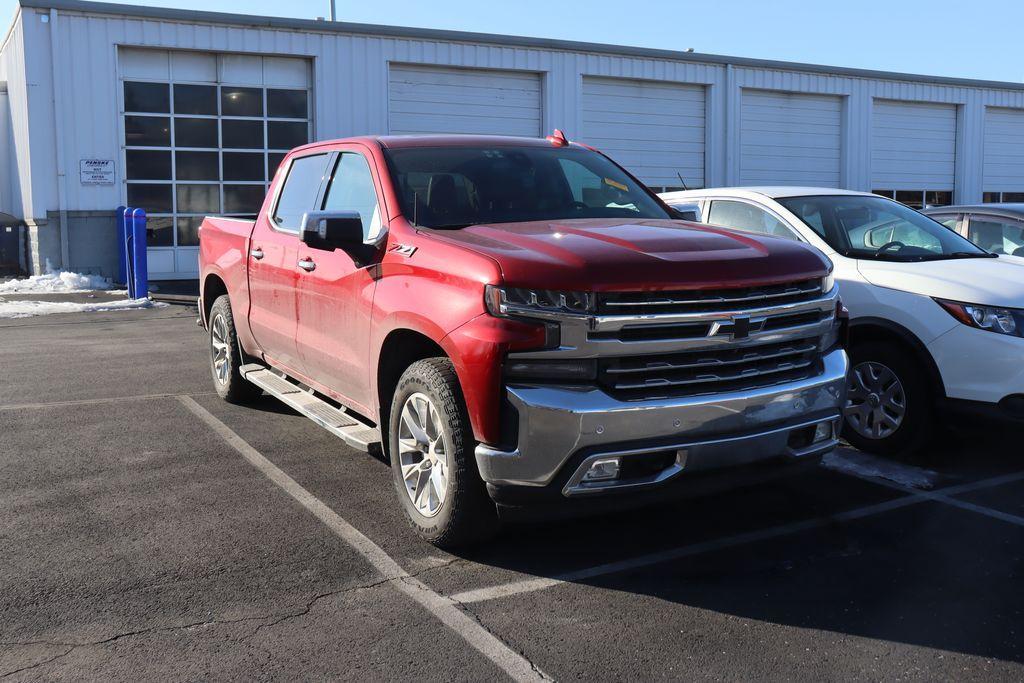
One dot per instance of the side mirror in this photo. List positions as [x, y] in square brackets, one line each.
[330, 230]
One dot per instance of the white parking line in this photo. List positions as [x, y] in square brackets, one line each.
[93, 401]
[444, 609]
[913, 497]
[945, 495]
[531, 585]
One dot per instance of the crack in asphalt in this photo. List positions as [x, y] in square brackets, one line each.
[476, 617]
[274, 620]
[277, 618]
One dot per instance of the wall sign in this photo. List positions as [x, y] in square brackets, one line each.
[97, 171]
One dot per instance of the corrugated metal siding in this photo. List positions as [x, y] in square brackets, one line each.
[15, 160]
[913, 146]
[429, 99]
[351, 92]
[790, 139]
[6, 147]
[1004, 150]
[654, 129]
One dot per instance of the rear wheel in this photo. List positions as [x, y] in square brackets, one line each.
[226, 356]
[888, 407]
[432, 463]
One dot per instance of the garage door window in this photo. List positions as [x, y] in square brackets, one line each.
[196, 149]
[918, 199]
[992, 197]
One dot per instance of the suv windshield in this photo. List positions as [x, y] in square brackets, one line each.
[453, 187]
[878, 228]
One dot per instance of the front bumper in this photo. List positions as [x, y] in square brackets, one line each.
[561, 428]
[977, 365]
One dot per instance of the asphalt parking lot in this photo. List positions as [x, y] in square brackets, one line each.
[149, 530]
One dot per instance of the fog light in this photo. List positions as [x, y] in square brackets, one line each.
[602, 470]
[823, 432]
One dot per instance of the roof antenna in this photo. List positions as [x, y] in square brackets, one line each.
[415, 209]
[558, 139]
[680, 176]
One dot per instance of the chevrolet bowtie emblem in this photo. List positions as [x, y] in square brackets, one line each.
[740, 326]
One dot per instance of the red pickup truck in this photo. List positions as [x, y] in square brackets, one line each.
[520, 326]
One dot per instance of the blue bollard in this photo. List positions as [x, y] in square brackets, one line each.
[122, 254]
[140, 265]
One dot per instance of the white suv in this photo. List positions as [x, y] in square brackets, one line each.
[936, 322]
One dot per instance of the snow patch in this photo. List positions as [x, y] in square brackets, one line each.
[56, 282]
[28, 309]
[863, 465]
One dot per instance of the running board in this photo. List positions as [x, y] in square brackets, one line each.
[352, 431]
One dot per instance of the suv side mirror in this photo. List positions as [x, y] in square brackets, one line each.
[330, 230]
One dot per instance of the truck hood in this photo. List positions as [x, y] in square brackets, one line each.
[617, 254]
[985, 281]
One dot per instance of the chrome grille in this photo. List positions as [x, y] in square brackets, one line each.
[746, 298]
[709, 370]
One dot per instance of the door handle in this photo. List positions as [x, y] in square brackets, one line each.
[256, 253]
[307, 265]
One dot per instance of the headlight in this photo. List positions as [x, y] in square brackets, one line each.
[508, 301]
[999, 320]
[828, 282]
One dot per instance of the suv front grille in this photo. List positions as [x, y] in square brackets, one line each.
[742, 299]
[709, 370]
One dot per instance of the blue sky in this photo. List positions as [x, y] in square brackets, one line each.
[940, 37]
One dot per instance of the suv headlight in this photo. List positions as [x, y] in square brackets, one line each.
[1008, 321]
[828, 282]
[506, 302]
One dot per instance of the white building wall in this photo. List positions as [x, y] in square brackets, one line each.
[14, 156]
[350, 73]
[6, 157]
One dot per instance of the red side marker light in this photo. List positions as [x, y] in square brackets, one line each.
[558, 139]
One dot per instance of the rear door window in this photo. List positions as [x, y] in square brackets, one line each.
[301, 188]
[743, 216]
[997, 235]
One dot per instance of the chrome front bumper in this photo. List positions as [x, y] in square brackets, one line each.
[557, 423]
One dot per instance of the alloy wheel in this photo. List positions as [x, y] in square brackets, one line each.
[877, 403]
[423, 454]
[220, 349]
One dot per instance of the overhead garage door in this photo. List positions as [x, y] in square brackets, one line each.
[428, 99]
[1004, 154]
[204, 134]
[790, 139]
[913, 151]
[654, 129]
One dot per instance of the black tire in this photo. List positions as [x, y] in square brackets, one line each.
[466, 513]
[227, 379]
[912, 433]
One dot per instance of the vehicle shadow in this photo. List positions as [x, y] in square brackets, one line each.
[925, 574]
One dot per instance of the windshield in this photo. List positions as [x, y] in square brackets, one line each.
[453, 187]
[878, 228]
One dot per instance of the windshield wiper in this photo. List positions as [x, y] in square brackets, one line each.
[960, 254]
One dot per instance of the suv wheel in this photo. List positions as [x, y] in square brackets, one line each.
[226, 358]
[888, 407]
[431, 449]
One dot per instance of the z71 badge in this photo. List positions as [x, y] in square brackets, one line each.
[404, 249]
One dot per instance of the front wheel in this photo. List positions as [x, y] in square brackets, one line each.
[888, 407]
[432, 463]
[226, 356]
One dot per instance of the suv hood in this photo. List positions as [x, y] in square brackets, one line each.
[983, 281]
[616, 254]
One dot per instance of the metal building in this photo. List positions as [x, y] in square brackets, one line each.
[187, 113]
